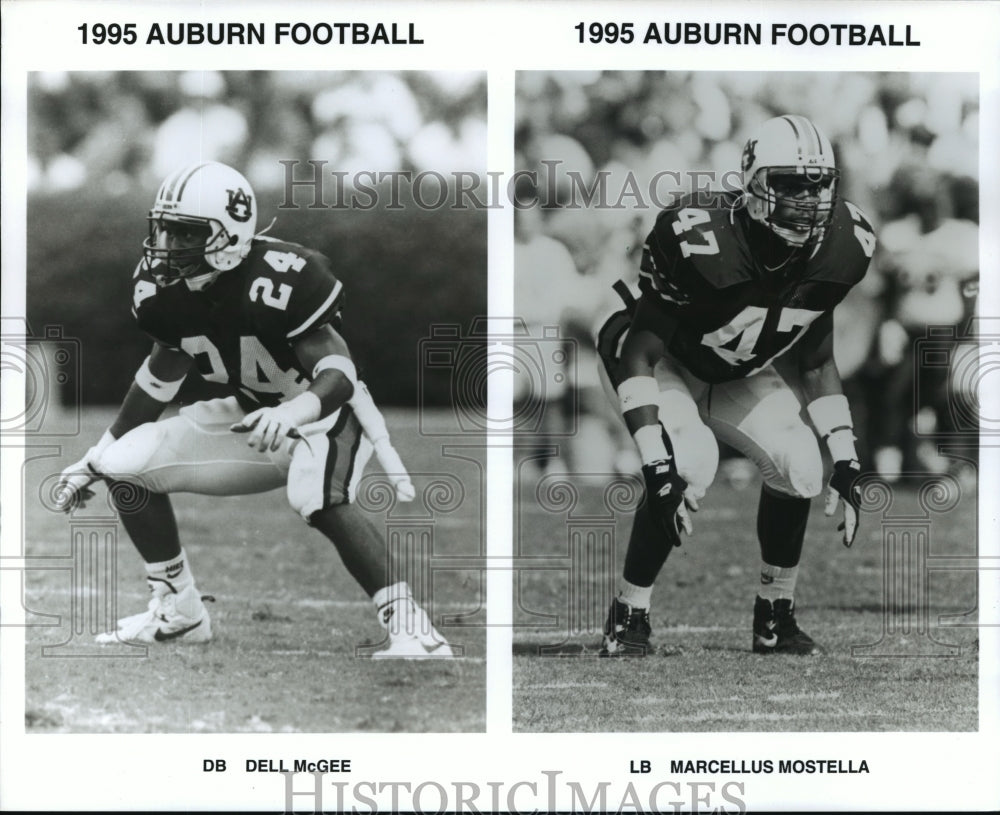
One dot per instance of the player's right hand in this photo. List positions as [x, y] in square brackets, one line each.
[73, 489]
[665, 496]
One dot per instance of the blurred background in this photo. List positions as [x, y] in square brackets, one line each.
[100, 143]
[907, 145]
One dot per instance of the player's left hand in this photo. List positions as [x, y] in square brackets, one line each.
[267, 427]
[843, 489]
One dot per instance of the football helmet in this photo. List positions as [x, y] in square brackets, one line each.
[790, 178]
[202, 223]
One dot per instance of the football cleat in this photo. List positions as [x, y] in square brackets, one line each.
[626, 631]
[776, 632]
[170, 617]
[411, 633]
[414, 648]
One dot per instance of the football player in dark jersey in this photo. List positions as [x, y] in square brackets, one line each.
[732, 336]
[260, 315]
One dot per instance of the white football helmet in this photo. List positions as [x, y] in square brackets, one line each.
[790, 177]
[218, 206]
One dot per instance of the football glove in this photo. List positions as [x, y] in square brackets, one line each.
[268, 427]
[73, 488]
[665, 497]
[392, 464]
[844, 489]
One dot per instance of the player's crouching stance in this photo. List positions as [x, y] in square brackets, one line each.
[260, 315]
[732, 335]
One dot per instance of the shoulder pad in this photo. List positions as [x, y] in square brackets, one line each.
[698, 243]
[291, 287]
[153, 305]
[847, 248]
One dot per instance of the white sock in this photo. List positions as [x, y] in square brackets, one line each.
[777, 583]
[396, 609]
[176, 573]
[634, 596]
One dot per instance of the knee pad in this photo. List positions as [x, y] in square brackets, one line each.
[794, 464]
[799, 464]
[127, 458]
[695, 446]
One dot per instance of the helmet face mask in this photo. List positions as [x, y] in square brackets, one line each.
[202, 224]
[177, 247]
[790, 179]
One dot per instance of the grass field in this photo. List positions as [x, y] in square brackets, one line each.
[703, 677]
[286, 620]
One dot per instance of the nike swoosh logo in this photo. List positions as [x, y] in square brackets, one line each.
[159, 636]
[435, 648]
[770, 642]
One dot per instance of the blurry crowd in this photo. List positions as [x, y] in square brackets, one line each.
[907, 146]
[112, 130]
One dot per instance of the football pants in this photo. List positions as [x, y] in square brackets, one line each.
[195, 451]
[758, 416]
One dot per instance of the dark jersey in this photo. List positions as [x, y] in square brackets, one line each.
[733, 314]
[241, 329]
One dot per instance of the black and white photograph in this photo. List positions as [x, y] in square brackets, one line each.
[499, 407]
[244, 527]
[762, 310]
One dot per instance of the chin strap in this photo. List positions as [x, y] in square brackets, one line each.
[267, 228]
[201, 281]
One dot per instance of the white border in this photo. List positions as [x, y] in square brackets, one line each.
[920, 771]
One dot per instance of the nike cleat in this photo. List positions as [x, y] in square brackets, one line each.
[626, 631]
[414, 648]
[411, 633]
[170, 617]
[776, 632]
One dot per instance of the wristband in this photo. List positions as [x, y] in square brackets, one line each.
[638, 391]
[831, 416]
[649, 440]
[840, 443]
[303, 409]
[830, 413]
[106, 441]
[154, 386]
